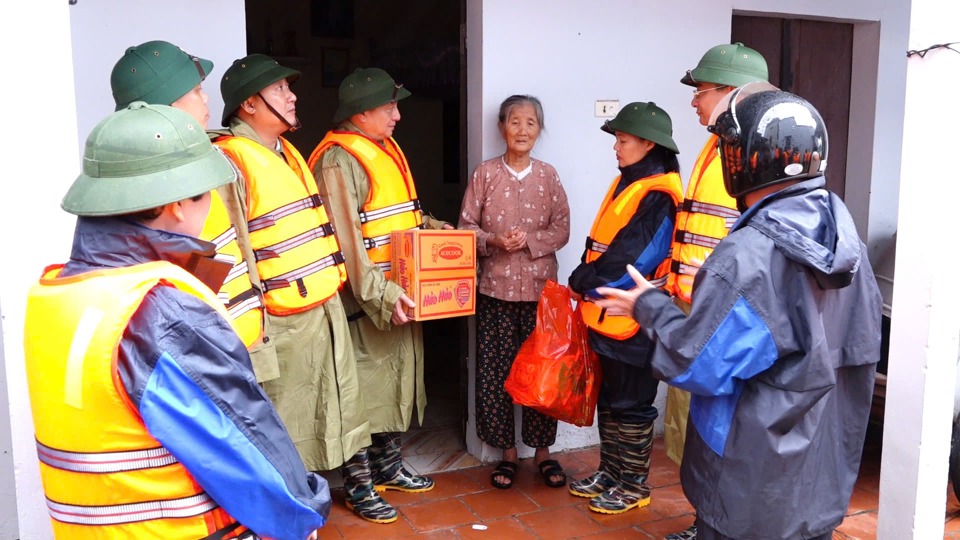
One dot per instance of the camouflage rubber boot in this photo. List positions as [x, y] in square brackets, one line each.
[360, 495]
[386, 463]
[689, 534]
[636, 445]
[609, 470]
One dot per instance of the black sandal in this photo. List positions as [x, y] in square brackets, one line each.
[504, 469]
[550, 468]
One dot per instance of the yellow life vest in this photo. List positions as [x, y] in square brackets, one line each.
[392, 204]
[237, 293]
[103, 474]
[615, 213]
[298, 257]
[703, 219]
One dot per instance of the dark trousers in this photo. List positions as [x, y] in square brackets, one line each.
[627, 391]
[501, 328]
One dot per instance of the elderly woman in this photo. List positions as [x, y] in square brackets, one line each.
[634, 226]
[519, 209]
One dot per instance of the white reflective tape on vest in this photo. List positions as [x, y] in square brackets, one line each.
[129, 513]
[105, 462]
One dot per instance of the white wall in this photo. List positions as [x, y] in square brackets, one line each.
[638, 51]
[42, 146]
[61, 91]
[103, 29]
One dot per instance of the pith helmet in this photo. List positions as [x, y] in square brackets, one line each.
[246, 77]
[730, 65]
[645, 120]
[156, 72]
[143, 157]
[365, 89]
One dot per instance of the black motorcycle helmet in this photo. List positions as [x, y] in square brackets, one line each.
[767, 138]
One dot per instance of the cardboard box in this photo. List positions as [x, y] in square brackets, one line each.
[438, 270]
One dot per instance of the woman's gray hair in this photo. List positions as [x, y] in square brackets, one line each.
[520, 99]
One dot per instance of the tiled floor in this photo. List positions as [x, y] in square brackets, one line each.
[464, 506]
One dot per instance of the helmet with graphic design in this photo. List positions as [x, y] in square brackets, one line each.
[767, 138]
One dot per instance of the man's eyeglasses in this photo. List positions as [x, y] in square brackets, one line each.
[697, 92]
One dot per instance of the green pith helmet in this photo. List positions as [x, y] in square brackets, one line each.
[645, 120]
[156, 72]
[365, 89]
[730, 65]
[143, 157]
[246, 77]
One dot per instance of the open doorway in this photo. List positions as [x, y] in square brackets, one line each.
[419, 43]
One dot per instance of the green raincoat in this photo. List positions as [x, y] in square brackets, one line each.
[389, 358]
[317, 392]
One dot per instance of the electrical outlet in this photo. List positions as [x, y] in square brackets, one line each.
[606, 108]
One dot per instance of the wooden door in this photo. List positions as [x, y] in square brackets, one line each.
[813, 60]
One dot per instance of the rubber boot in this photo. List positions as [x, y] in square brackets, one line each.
[360, 495]
[689, 534]
[636, 445]
[608, 473]
[386, 463]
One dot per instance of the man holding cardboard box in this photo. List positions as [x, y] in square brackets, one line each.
[365, 178]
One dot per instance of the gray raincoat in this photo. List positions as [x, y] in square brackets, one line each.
[779, 353]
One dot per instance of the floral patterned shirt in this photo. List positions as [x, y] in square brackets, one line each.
[494, 203]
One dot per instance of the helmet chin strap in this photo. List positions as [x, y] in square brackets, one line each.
[290, 127]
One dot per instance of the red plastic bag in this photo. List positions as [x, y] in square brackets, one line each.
[556, 372]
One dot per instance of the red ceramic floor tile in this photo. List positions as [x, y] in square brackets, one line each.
[559, 523]
[452, 484]
[499, 503]
[861, 500]
[547, 497]
[862, 526]
[663, 472]
[670, 501]
[355, 528]
[663, 527]
[619, 534]
[433, 515]
[497, 529]
[329, 532]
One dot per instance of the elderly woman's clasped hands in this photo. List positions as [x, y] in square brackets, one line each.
[513, 240]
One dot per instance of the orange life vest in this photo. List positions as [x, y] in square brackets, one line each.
[614, 214]
[703, 219]
[103, 474]
[237, 293]
[392, 204]
[298, 257]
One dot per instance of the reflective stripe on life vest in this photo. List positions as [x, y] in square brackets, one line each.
[247, 322]
[298, 256]
[392, 203]
[128, 513]
[105, 477]
[615, 213]
[104, 462]
[703, 219]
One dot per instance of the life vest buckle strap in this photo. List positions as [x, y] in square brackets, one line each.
[376, 241]
[691, 205]
[678, 267]
[288, 279]
[593, 245]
